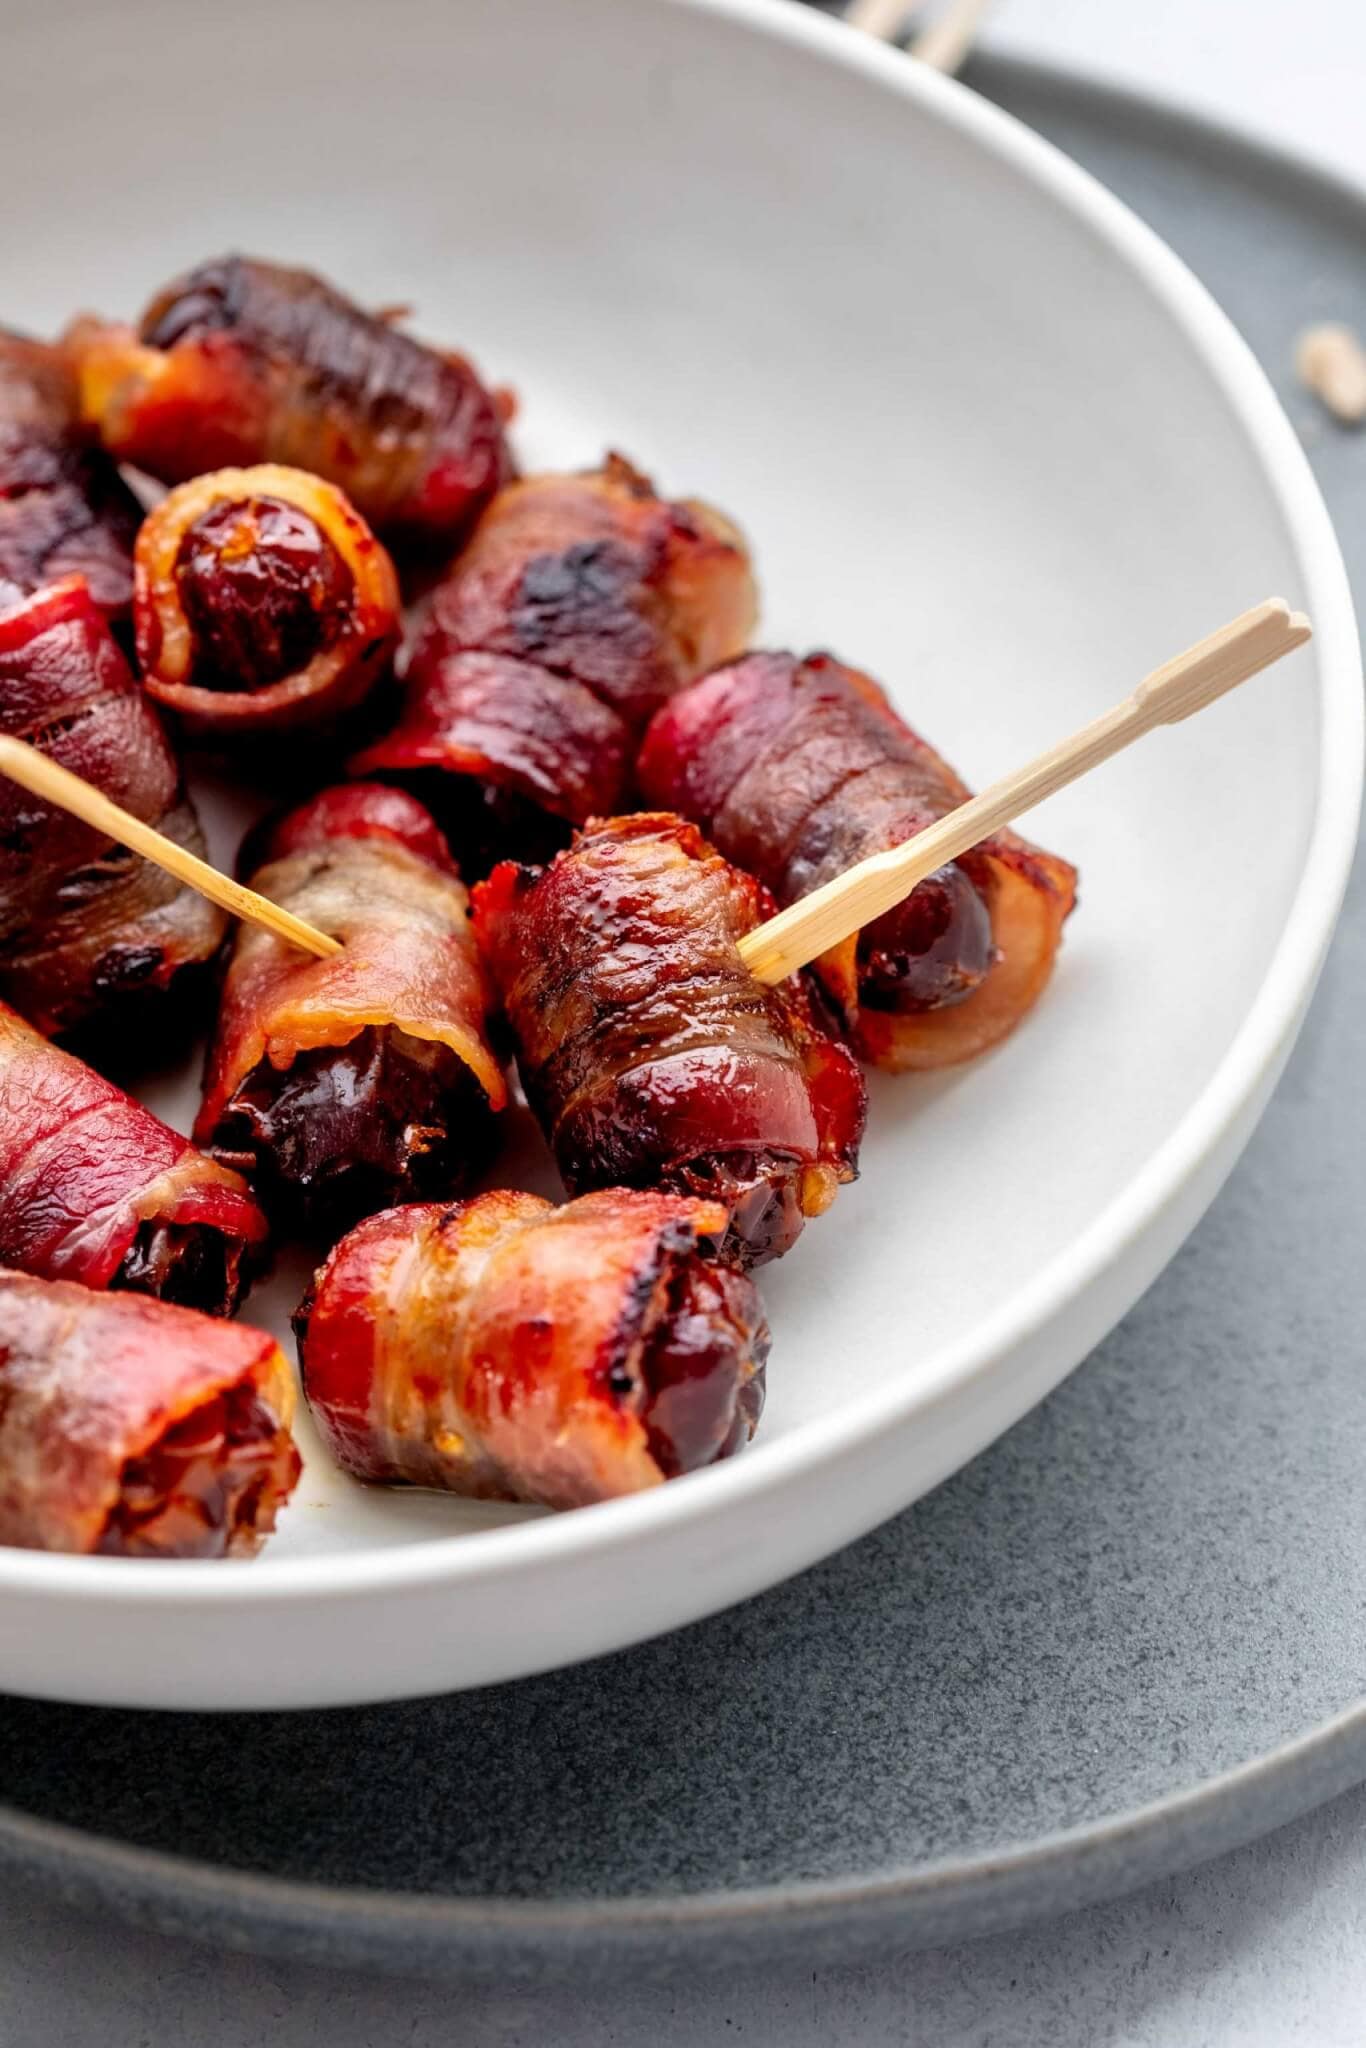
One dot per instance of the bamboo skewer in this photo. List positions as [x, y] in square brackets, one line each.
[831, 914]
[1180, 687]
[47, 779]
[882, 18]
[946, 44]
[943, 44]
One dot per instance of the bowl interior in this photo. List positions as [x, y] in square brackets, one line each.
[975, 454]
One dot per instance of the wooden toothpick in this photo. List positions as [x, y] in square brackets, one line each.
[943, 43]
[1184, 685]
[882, 18]
[47, 779]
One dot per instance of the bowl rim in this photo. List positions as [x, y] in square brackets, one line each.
[1260, 1040]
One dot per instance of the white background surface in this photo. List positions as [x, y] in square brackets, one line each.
[1266, 1947]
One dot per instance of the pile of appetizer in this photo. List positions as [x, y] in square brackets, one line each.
[538, 820]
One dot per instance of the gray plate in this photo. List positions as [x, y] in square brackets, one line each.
[1130, 1635]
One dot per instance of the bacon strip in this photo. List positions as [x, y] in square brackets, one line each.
[242, 361]
[64, 509]
[95, 1188]
[580, 605]
[510, 1350]
[340, 1085]
[85, 927]
[263, 603]
[649, 1053]
[798, 769]
[137, 1429]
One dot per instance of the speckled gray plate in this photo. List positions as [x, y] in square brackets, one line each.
[1132, 1634]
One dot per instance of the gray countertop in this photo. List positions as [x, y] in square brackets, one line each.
[1268, 1945]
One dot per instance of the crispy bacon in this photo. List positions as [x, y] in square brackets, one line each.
[86, 928]
[340, 1085]
[649, 1053]
[798, 769]
[137, 1429]
[263, 602]
[511, 1350]
[580, 605]
[64, 509]
[95, 1188]
[242, 362]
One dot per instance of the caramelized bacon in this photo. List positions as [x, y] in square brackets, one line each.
[242, 362]
[95, 1188]
[511, 1350]
[86, 928]
[580, 605]
[649, 1053]
[137, 1429]
[64, 509]
[798, 769]
[263, 602]
[340, 1085]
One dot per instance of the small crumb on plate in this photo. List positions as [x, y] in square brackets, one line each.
[1332, 363]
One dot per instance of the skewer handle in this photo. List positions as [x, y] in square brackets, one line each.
[882, 18]
[1179, 688]
[943, 43]
[45, 778]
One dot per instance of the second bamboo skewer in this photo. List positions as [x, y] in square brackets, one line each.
[1184, 685]
[943, 44]
[44, 778]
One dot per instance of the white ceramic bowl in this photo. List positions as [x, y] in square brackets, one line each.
[991, 441]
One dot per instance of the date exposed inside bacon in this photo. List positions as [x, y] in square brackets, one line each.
[340, 1085]
[650, 1055]
[95, 1188]
[86, 928]
[64, 509]
[580, 605]
[263, 602]
[241, 362]
[798, 769]
[511, 1350]
[136, 1429]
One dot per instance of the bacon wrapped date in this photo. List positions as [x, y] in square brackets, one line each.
[95, 1188]
[241, 362]
[338, 1086]
[798, 769]
[86, 928]
[650, 1055]
[263, 602]
[580, 605]
[64, 508]
[135, 1429]
[510, 1350]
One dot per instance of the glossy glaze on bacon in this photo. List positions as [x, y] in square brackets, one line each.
[581, 604]
[511, 1350]
[798, 769]
[64, 508]
[87, 929]
[242, 361]
[338, 1086]
[95, 1188]
[136, 1429]
[650, 1055]
[263, 603]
